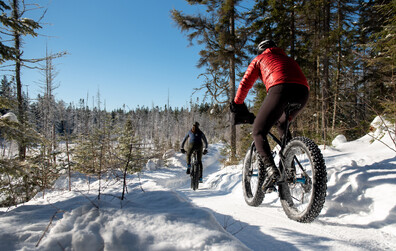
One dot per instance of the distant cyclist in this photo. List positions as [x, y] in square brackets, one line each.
[285, 83]
[196, 139]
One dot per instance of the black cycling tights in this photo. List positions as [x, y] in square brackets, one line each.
[272, 113]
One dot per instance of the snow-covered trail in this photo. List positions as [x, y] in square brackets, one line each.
[161, 212]
[267, 226]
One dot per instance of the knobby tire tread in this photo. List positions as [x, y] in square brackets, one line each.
[194, 176]
[258, 197]
[319, 183]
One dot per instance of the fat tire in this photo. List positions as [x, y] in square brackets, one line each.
[194, 176]
[253, 198]
[319, 181]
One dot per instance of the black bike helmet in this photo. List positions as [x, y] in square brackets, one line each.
[196, 124]
[265, 45]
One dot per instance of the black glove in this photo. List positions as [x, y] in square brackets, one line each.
[242, 114]
[205, 151]
[237, 108]
[182, 150]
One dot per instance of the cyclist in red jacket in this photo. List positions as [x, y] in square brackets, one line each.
[285, 83]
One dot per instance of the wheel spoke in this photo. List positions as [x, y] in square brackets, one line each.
[300, 168]
[306, 173]
[294, 198]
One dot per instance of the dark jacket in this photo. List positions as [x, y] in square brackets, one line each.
[195, 138]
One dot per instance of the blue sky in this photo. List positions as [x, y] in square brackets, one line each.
[131, 51]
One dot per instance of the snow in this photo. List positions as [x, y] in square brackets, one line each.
[9, 116]
[161, 212]
[340, 139]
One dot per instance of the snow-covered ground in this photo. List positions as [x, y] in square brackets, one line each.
[161, 212]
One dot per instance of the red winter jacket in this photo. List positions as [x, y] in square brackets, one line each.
[273, 67]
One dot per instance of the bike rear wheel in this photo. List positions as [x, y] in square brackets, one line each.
[304, 190]
[252, 178]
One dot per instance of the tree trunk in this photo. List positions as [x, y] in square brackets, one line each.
[394, 98]
[232, 82]
[292, 34]
[317, 93]
[68, 159]
[326, 65]
[17, 45]
[338, 73]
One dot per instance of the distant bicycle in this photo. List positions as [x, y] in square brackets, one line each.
[195, 172]
[303, 177]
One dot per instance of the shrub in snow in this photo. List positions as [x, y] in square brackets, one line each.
[169, 154]
[383, 131]
[340, 139]
[153, 164]
[379, 127]
[9, 116]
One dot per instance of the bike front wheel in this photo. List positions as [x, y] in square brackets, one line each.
[194, 176]
[304, 190]
[252, 178]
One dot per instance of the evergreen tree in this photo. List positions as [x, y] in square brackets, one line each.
[14, 26]
[129, 152]
[321, 36]
[345, 66]
[6, 89]
[7, 95]
[29, 27]
[223, 38]
[384, 47]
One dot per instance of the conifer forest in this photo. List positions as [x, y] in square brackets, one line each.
[346, 49]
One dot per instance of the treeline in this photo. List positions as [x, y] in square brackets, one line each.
[62, 138]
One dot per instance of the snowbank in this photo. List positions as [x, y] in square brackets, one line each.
[154, 220]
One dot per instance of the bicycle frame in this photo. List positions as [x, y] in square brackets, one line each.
[282, 143]
[194, 157]
[302, 183]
